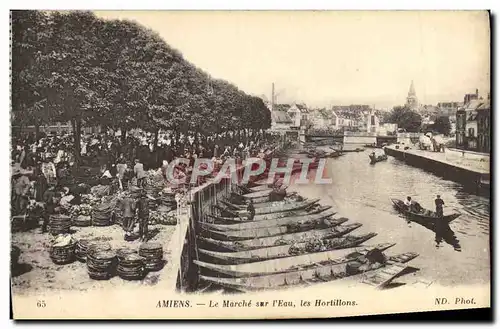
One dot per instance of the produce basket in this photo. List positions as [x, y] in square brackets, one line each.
[131, 267]
[101, 265]
[59, 224]
[62, 250]
[153, 254]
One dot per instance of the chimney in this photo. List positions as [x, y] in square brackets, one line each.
[477, 92]
[272, 98]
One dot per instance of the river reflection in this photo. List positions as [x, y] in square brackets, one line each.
[442, 231]
[363, 192]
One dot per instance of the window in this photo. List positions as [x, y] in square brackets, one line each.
[471, 132]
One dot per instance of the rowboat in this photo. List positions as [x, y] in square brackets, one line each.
[268, 210]
[284, 239]
[265, 181]
[354, 150]
[262, 232]
[258, 194]
[318, 273]
[250, 225]
[372, 146]
[377, 158]
[316, 209]
[291, 264]
[322, 273]
[260, 204]
[257, 188]
[425, 217]
[258, 255]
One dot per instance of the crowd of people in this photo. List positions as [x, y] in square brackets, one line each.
[45, 172]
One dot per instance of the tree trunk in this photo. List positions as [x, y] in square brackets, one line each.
[124, 135]
[156, 156]
[77, 128]
[37, 131]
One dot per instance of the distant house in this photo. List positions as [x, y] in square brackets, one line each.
[299, 115]
[473, 124]
[449, 108]
[321, 118]
[280, 120]
[342, 121]
[371, 122]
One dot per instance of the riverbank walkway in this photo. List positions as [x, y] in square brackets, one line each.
[480, 167]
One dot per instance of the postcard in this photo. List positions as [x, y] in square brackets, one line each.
[249, 164]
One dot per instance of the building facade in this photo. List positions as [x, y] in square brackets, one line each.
[299, 115]
[473, 124]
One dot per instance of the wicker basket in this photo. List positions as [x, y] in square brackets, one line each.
[81, 249]
[82, 221]
[63, 254]
[131, 267]
[101, 265]
[153, 255]
[59, 224]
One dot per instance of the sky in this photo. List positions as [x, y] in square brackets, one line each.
[325, 58]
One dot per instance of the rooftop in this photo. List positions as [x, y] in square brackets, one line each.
[280, 117]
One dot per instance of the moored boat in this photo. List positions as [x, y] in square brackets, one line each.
[288, 200]
[262, 232]
[426, 216]
[284, 239]
[372, 146]
[258, 194]
[314, 209]
[321, 273]
[374, 158]
[268, 210]
[257, 255]
[248, 225]
[290, 264]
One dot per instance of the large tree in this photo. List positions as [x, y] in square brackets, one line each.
[442, 125]
[73, 66]
[405, 118]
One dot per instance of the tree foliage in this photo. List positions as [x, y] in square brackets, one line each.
[405, 118]
[73, 66]
[442, 125]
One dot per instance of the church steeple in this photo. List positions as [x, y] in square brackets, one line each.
[412, 90]
[412, 100]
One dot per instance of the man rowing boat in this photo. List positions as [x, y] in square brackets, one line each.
[412, 205]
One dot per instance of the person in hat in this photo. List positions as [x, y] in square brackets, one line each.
[439, 206]
[140, 174]
[251, 210]
[49, 170]
[21, 188]
[51, 202]
[128, 209]
[143, 215]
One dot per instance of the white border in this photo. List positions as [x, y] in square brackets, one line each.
[184, 4]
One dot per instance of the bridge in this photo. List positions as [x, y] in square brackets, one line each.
[349, 137]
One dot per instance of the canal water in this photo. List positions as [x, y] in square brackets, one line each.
[362, 193]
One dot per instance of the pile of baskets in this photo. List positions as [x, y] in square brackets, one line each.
[103, 215]
[82, 221]
[168, 200]
[130, 265]
[63, 254]
[153, 255]
[59, 224]
[81, 249]
[101, 261]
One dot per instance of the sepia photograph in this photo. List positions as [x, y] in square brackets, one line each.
[249, 164]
